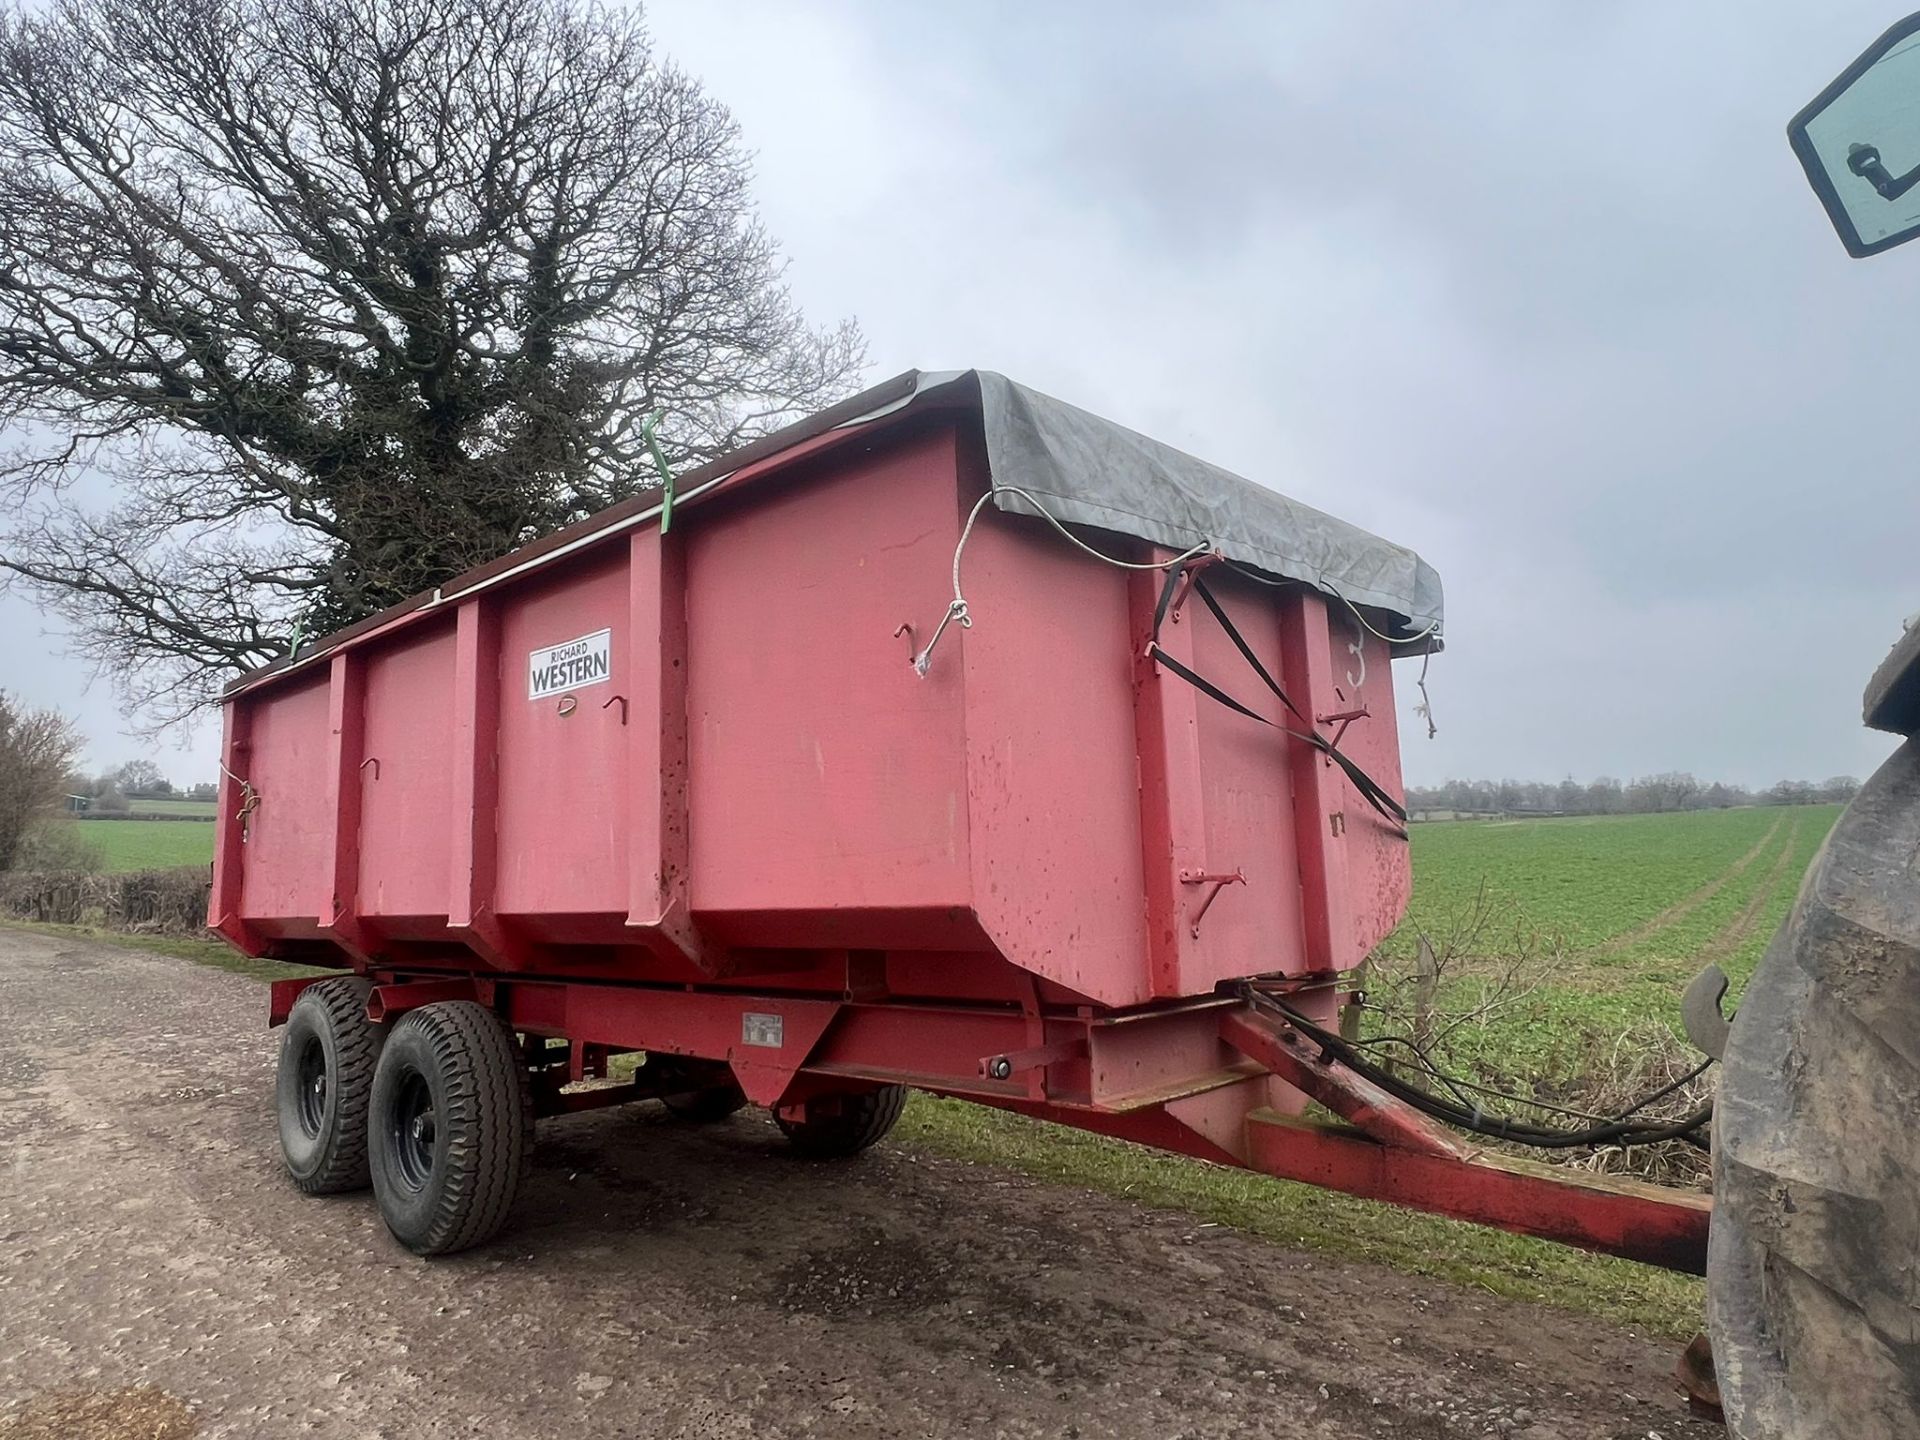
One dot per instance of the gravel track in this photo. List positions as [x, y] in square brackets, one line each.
[661, 1280]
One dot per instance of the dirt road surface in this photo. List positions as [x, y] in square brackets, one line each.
[159, 1279]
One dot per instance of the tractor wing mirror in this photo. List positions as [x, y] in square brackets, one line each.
[1859, 142]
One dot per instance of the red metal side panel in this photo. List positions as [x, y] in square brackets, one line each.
[346, 735]
[1355, 869]
[473, 786]
[1246, 795]
[1052, 766]
[827, 780]
[562, 821]
[1379, 863]
[1323, 799]
[755, 763]
[1223, 796]
[286, 866]
[236, 758]
[405, 775]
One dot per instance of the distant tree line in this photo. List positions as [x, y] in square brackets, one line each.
[1650, 794]
[41, 779]
[113, 791]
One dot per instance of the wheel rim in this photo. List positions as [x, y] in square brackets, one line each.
[411, 1131]
[313, 1087]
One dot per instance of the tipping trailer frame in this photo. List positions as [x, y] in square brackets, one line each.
[801, 1008]
[1197, 1079]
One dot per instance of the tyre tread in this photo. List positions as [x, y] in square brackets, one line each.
[864, 1119]
[488, 1119]
[343, 1001]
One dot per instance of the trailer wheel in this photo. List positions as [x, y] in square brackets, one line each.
[325, 1079]
[1816, 1158]
[834, 1126]
[710, 1092]
[452, 1123]
[705, 1107]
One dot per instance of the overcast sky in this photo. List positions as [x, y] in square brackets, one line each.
[1537, 290]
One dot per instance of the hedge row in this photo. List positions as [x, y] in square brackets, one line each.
[146, 902]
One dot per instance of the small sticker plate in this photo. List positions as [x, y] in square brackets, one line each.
[766, 1031]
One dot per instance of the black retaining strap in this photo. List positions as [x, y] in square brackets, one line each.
[1370, 789]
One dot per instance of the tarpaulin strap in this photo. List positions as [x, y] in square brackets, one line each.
[1240, 643]
[1370, 789]
[1166, 597]
[660, 463]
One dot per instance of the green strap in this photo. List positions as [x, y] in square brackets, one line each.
[660, 462]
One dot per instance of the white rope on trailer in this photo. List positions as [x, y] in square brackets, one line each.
[958, 610]
[249, 800]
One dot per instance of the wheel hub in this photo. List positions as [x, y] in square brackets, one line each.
[313, 1087]
[412, 1130]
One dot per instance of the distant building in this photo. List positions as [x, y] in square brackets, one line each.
[79, 804]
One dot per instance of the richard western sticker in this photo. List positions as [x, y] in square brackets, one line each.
[572, 666]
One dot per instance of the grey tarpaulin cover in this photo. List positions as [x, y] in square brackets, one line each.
[1090, 471]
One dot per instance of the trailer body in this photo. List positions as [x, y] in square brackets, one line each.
[707, 776]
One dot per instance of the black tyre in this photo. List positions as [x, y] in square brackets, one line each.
[1816, 1220]
[710, 1095]
[705, 1107]
[327, 1057]
[838, 1125]
[452, 1127]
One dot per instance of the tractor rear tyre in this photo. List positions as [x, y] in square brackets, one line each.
[452, 1126]
[834, 1126]
[1813, 1266]
[325, 1080]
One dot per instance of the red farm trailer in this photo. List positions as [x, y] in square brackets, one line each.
[953, 739]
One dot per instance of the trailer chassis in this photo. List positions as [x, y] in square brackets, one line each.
[1214, 1078]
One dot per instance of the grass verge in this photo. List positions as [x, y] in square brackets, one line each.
[1288, 1214]
[1654, 1301]
[149, 844]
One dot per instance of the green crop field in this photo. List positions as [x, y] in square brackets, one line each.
[1645, 885]
[149, 844]
[1620, 911]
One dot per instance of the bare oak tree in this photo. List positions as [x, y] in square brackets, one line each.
[37, 750]
[346, 296]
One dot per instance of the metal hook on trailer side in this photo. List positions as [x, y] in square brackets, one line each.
[1188, 573]
[1219, 881]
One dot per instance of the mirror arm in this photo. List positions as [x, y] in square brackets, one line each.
[1864, 161]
